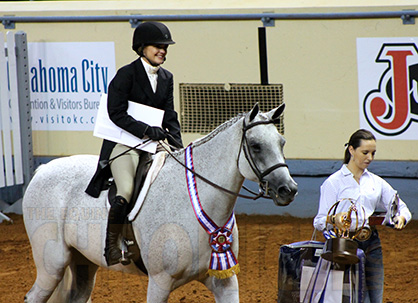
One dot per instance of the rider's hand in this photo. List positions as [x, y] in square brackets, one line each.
[155, 133]
[399, 222]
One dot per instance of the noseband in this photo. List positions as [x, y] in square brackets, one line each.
[264, 187]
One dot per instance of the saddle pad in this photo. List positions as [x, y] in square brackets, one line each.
[156, 165]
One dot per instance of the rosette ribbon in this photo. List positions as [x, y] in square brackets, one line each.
[223, 263]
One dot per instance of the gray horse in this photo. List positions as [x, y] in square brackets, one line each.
[67, 227]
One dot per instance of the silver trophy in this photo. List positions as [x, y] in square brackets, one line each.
[386, 218]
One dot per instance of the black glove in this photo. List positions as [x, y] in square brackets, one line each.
[155, 133]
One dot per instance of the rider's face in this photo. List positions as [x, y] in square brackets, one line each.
[155, 54]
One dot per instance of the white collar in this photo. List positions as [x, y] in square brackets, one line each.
[151, 70]
[347, 172]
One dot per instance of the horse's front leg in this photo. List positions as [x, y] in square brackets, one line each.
[159, 288]
[224, 290]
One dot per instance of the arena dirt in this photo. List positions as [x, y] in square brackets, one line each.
[260, 241]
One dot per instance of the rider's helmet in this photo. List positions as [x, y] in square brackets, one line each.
[151, 33]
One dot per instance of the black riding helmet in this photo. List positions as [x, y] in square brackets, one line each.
[151, 33]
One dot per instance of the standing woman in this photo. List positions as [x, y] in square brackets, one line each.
[143, 81]
[354, 181]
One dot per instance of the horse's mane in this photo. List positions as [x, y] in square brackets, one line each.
[215, 132]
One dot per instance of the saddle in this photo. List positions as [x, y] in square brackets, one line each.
[128, 241]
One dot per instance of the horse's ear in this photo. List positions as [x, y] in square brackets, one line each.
[254, 111]
[275, 113]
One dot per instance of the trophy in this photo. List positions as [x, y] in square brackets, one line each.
[393, 211]
[342, 248]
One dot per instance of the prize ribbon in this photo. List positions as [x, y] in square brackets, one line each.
[223, 263]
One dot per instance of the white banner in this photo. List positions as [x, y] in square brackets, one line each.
[66, 81]
[388, 87]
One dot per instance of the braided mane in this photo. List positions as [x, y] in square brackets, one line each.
[218, 130]
[213, 133]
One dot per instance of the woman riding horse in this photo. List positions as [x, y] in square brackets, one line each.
[173, 244]
[142, 81]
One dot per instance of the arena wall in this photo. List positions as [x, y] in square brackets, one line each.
[315, 60]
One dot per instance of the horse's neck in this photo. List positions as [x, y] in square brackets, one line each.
[217, 161]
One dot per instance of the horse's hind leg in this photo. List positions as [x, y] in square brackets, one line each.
[83, 278]
[224, 290]
[75, 286]
[47, 278]
[77, 283]
[51, 257]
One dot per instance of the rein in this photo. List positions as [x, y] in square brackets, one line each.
[260, 175]
[104, 163]
[208, 181]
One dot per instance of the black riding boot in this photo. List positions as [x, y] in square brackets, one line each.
[117, 214]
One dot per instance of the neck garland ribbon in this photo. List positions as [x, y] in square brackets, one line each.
[223, 263]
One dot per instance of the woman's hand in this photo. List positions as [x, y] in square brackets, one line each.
[399, 222]
[155, 133]
[339, 221]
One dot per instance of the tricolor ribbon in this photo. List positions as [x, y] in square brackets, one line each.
[223, 263]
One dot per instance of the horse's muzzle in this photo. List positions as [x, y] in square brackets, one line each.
[285, 194]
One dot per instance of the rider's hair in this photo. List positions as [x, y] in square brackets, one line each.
[355, 141]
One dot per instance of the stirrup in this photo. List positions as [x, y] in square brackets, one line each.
[126, 255]
[125, 259]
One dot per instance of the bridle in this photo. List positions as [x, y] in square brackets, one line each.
[263, 185]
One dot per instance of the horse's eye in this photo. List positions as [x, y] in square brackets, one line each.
[255, 147]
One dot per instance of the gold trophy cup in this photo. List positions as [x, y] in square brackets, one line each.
[343, 249]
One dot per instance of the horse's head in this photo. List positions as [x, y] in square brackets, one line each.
[261, 156]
